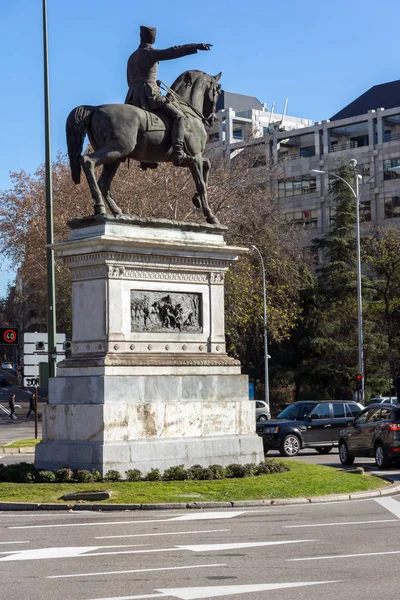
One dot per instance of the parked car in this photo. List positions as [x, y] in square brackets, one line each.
[262, 411]
[374, 432]
[381, 400]
[6, 366]
[307, 424]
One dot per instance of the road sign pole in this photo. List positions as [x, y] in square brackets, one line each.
[36, 413]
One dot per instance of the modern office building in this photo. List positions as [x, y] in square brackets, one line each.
[367, 130]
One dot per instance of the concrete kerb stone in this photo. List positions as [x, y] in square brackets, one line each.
[7, 450]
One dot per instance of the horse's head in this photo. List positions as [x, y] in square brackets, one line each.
[201, 91]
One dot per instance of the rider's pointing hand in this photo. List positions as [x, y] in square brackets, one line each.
[204, 46]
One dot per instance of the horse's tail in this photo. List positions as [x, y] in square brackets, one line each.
[76, 129]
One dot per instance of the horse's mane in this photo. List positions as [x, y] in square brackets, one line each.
[186, 80]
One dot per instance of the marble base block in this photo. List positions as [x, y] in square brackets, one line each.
[148, 383]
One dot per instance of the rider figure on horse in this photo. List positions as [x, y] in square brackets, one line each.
[144, 90]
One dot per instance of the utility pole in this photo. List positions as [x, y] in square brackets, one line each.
[51, 298]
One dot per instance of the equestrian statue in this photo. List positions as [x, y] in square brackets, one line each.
[150, 127]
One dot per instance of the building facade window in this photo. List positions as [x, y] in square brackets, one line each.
[297, 186]
[306, 219]
[392, 207]
[238, 134]
[388, 164]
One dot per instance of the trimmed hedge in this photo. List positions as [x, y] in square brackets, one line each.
[26, 473]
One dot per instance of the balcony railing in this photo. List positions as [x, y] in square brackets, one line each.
[296, 156]
[391, 137]
[348, 145]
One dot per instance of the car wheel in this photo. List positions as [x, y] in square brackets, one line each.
[324, 449]
[290, 445]
[382, 461]
[345, 457]
[262, 418]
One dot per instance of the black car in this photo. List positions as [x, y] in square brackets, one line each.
[307, 424]
[374, 432]
[3, 381]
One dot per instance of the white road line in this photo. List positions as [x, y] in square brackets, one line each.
[390, 504]
[344, 523]
[136, 571]
[24, 542]
[342, 556]
[201, 516]
[90, 551]
[110, 537]
[215, 547]
[221, 590]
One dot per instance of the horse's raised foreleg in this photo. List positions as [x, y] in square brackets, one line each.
[103, 156]
[104, 183]
[196, 168]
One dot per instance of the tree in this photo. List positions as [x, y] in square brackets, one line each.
[328, 333]
[382, 258]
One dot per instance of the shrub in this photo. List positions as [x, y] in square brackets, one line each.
[153, 475]
[270, 466]
[18, 473]
[250, 469]
[45, 477]
[133, 475]
[178, 473]
[112, 475]
[200, 473]
[236, 470]
[63, 475]
[218, 471]
[96, 475]
[83, 476]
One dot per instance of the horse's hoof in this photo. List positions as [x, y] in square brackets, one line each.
[213, 220]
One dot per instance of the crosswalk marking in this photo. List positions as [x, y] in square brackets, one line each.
[390, 504]
[137, 571]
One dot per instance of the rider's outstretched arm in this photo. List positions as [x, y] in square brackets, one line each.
[178, 51]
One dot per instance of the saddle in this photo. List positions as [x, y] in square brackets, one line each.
[156, 121]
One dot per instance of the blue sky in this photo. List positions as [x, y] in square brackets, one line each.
[319, 55]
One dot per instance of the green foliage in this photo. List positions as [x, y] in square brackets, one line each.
[112, 475]
[178, 473]
[267, 467]
[133, 475]
[236, 470]
[64, 475]
[45, 477]
[83, 476]
[96, 475]
[218, 471]
[153, 475]
[18, 473]
[200, 473]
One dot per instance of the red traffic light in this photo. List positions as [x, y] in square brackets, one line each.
[358, 377]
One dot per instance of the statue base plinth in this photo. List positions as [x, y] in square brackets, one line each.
[148, 383]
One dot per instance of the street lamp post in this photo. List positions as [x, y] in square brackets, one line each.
[266, 356]
[51, 296]
[357, 195]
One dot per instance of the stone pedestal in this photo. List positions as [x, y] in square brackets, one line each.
[148, 383]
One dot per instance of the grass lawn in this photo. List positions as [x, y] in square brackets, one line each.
[302, 480]
[24, 443]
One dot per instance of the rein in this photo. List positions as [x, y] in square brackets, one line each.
[180, 100]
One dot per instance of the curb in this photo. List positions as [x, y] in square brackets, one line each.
[10, 451]
[25, 506]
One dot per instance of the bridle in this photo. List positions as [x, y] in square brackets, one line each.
[180, 100]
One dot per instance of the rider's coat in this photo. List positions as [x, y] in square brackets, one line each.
[142, 74]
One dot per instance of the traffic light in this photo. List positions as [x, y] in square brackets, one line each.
[9, 336]
[359, 381]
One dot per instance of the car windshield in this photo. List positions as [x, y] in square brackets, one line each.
[296, 412]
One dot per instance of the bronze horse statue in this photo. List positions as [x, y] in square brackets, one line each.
[121, 131]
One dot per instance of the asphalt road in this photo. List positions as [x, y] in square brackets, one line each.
[308, 552]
